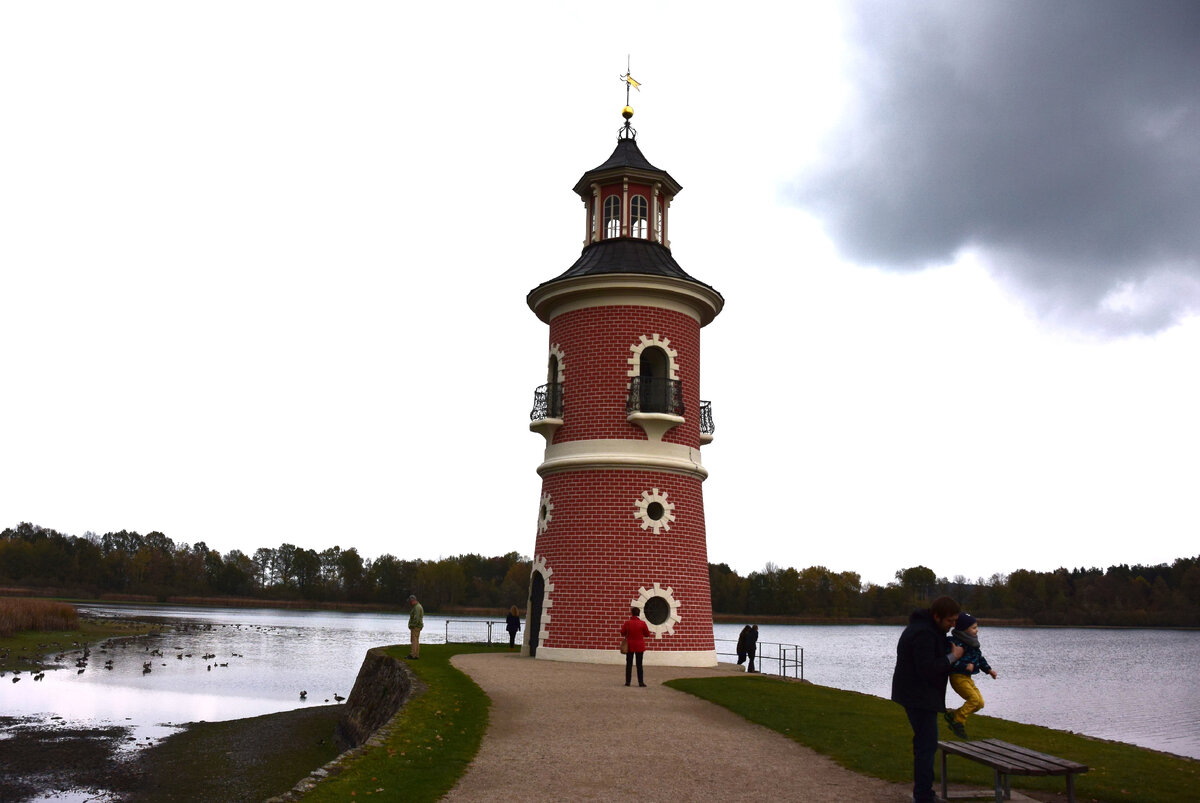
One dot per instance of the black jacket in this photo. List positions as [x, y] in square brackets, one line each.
[922, 669]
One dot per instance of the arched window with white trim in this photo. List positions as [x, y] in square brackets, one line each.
[612, 216]
[639, 217]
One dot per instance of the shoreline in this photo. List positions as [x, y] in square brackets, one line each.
[65, 595]
[248, 759]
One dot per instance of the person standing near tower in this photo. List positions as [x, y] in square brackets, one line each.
[416, 621]
[512, 623]
[635, 632]
[924, 657]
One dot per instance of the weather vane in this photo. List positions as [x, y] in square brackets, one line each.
[628, 132]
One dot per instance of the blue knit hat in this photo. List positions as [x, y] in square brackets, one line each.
[965, 620]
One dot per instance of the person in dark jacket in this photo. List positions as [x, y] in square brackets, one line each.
[512, 624]
[747, 643]
[924, 656]
[751, 647]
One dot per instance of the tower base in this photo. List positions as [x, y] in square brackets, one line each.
[700, 658]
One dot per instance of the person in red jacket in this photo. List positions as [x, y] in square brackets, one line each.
[635, 632]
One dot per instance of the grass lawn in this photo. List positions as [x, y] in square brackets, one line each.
[434, 740]
[871, 735]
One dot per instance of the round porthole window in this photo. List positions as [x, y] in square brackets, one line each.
[657, 610]
[654, 511]
[545, 513]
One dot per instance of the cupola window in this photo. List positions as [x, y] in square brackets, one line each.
[639, 219]
[612, 216]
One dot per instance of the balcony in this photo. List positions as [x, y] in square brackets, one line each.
[655, 404]
[707, 427]
[546, 416]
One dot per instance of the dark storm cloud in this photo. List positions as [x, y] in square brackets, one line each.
[1060, 139]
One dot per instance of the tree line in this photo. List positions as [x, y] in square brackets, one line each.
[1138, 596]
[129, 564]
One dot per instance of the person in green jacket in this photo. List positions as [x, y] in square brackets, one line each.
[416, 620]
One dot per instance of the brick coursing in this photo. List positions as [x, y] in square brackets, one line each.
[597, 343]
[601, 557]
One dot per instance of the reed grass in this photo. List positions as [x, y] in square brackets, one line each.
[17, 615]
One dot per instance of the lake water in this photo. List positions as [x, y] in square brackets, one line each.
[1136, 686]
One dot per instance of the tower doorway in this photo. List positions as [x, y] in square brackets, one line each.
[533, 623]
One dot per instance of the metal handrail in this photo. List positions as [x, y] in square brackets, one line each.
[547, 401]
[787, 659]
[707, 426]
[653, 394]
[474, 625]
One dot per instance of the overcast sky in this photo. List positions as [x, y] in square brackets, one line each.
[263, 270]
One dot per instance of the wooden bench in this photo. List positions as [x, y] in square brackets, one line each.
[1008, 759]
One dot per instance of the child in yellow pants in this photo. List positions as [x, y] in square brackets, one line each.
[966, 635]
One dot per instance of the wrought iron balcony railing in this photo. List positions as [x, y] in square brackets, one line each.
[706, 420]
[547, 402]
[655, 395]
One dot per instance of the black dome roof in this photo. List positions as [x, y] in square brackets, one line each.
[625, 255]
[626, 157]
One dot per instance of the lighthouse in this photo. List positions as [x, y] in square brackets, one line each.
[621, 512]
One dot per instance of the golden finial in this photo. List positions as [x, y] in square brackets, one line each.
[627, 112]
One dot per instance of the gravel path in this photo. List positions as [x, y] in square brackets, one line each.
[573, 731]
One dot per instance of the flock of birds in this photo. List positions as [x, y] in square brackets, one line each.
[81, 653]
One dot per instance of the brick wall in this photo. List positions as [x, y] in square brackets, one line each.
[601, 557]
[596, 346]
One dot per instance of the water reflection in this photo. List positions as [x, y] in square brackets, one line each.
[210, 665]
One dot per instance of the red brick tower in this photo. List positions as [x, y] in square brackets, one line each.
[621, 515]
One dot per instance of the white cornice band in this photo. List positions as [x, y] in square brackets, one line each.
[626, 289]
[618, 453]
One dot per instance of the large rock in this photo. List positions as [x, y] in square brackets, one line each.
[383, 685]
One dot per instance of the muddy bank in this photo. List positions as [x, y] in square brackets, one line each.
[241, 760]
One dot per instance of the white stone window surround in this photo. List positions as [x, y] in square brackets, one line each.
[557, 353]
[635, 361]
[540, 567]
[545, 513]
[655, 425]
[668, 625]
[547, 426]
[642, 511]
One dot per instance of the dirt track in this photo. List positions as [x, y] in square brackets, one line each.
[565, 730]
